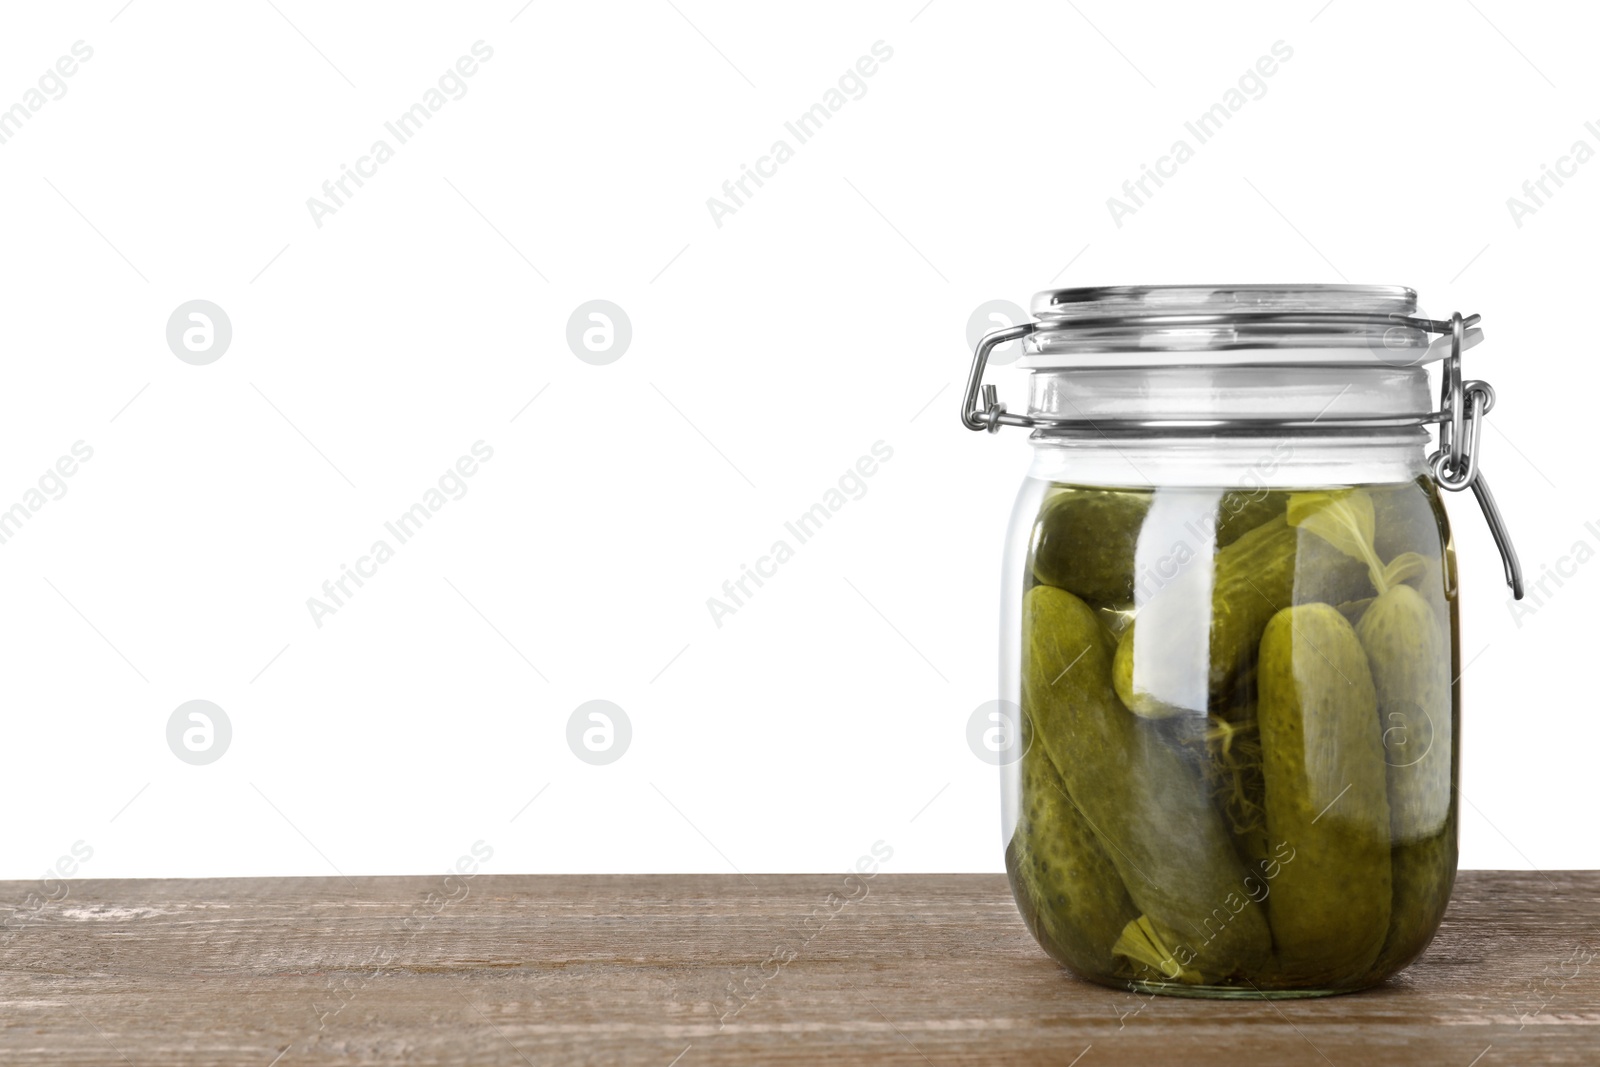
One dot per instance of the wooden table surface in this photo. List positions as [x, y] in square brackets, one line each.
[698, 969]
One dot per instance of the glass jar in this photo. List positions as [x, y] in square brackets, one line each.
[1229, 632]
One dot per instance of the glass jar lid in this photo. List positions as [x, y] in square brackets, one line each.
[1160, 325]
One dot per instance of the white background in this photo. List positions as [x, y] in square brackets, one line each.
[768, 354]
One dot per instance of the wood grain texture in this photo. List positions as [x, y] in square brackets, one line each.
[921, 969]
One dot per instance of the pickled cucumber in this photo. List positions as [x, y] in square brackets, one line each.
[1084, 542]
[1071, 895]
[1410, 670]
[1424, 873]
[1240, 511]
[1139, 795]
[1326, 796]
[1411, 673]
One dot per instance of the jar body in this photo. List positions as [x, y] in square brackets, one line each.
[1235, 661]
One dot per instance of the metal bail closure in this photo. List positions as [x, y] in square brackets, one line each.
[992, 415]
[1462, 406]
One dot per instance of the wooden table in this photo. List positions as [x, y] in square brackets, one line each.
[918, 969]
